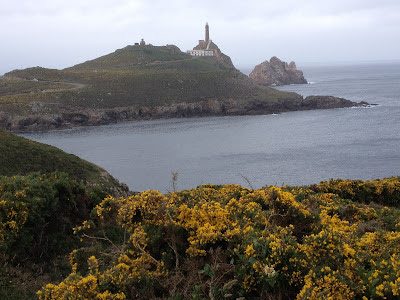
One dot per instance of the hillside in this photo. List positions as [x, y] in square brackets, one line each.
[132, 57]
[20, 156]
[44, 194]
[334, 240]
[136, 82]
[231, 242]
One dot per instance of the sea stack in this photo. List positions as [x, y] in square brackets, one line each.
[276, 72]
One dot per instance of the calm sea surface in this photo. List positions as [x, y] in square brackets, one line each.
[293, 148]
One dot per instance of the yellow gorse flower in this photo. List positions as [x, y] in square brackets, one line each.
[315, 241]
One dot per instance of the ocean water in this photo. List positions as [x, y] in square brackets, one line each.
[295, 148]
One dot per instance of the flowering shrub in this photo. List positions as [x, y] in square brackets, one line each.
[38, 212]
[385, 191]
[230, 242]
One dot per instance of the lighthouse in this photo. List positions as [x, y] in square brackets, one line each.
[207, 34]
[204, 48]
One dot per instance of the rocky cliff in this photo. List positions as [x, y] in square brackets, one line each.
[211, 107]
[277, 72]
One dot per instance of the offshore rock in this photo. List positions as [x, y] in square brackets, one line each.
[277, 72]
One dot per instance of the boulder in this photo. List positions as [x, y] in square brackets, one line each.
[276, 72]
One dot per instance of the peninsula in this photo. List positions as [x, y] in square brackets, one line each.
[141, 81]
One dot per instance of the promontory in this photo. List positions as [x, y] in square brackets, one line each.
[141, 81]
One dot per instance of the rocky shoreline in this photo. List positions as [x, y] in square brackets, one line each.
[211, 107]
[150, 82]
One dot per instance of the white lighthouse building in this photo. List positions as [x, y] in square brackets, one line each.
[203, 49]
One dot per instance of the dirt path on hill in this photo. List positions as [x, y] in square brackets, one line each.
[154, 63]
[76, 86]
[167, 62]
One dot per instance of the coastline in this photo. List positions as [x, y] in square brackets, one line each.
[212, 107]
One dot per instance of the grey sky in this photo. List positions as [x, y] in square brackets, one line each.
[60, 33]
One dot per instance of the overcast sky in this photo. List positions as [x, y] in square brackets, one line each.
[61, 33]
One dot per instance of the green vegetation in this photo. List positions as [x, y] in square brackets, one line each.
[132, 57]
[37, 217]
[231, 242]
[334, 240]
[133, 77]
[38, 212]
[13, 86]
[152, 86]
[20, 156]
[44, 194]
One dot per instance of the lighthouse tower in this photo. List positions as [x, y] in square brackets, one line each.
[204, 48]
[207, 34]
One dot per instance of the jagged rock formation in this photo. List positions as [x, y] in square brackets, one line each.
[277, 72]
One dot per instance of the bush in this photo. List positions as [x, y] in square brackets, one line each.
[38, 213]
[217, 242]
[385, 191]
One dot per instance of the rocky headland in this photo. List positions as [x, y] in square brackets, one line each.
[142, 83]
[276, 72]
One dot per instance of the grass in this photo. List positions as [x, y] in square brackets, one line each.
[156, 85]
[134, 76]
[132, 56]
[20, 156]
[13, 86]
[55, 203]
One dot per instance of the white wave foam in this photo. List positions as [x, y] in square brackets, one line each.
[366, 106]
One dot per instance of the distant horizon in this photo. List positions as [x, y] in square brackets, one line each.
[60, 34]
